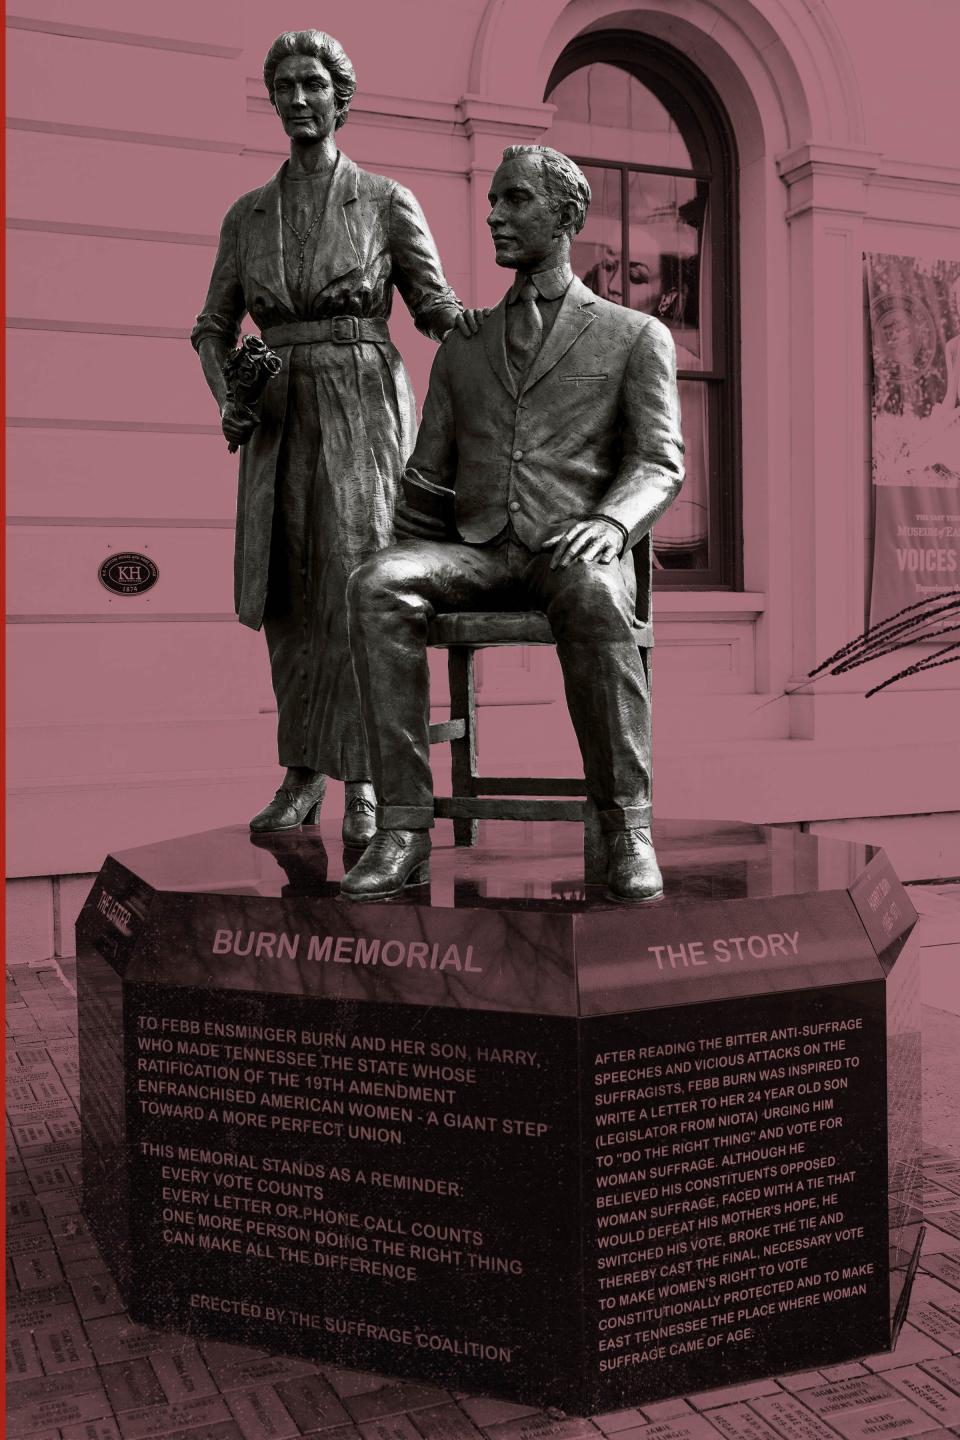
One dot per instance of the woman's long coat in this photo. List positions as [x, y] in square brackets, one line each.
[373, 238]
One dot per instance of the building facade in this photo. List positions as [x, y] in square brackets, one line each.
[744, 155]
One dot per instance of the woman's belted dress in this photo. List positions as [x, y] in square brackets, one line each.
[314, 261]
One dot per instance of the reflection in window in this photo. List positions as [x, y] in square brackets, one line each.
[652, 242]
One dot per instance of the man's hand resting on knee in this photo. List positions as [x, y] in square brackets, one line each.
[595, 537]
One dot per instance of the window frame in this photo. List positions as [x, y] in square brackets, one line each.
[696, 108]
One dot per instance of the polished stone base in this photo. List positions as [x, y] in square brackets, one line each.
[507, 1134]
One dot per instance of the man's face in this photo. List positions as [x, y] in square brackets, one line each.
[525, 229]
[304, 97]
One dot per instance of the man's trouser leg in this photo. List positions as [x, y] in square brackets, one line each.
[590, 608]
[392, 598]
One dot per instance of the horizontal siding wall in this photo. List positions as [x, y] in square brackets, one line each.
[130, 717]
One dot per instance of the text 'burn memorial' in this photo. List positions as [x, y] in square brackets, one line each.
[516, 1139]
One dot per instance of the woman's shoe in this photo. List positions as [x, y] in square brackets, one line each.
[359, 814]
[292, 805]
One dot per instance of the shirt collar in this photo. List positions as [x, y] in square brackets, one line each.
[550, 284]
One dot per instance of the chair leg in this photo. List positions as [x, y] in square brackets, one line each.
[463, 753]
[594, 847]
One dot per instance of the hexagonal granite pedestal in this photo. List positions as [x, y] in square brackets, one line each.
[507, 1134]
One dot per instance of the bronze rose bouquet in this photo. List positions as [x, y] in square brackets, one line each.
[246, 371]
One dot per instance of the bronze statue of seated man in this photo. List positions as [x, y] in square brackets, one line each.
[555, 432]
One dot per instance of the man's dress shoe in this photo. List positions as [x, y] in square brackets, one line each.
[359, 814]
[392, 860]
[633, 875]
[292, 805]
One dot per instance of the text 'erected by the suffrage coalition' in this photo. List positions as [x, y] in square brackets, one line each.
[317, 1105]
[722, 1198]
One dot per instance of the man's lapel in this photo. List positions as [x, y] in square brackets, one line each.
[265, 258]
[493, 331]
[337, 252]
[573, 319]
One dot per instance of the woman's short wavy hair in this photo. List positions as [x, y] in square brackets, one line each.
[322, 47]
[563, 181]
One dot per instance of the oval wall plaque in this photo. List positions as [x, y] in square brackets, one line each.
[128, 573]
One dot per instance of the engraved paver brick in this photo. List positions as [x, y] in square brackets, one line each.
[931, 1288]
[261, 1414]
[542, 1427]
[219, 1430]
[117, 1337]
[35, 1272]
[946, 1369]
[448, 1422]
[22, 1393]
[689, 1426]
[739, 1422]
[105, 1429]
[946, 1266]
[132, 1385]
[790, 1418]
[63, 1347]
[245, 1374]
[162, 1419]
[29, 1239]
[803, 1380]
[659, 1410]
[853, 1394]
[612, 1423]
[22, 1209]
[940, 1402]
[389, 1427]
[42, 1307]
[57, 1412]
[936, 1323]
[935, 1240]
[312, 1402]
[23, 1362]
[183, 1374]
[897, 1417]
[96, 1295]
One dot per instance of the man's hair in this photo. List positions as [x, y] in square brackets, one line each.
[322, 47]
[562, 179]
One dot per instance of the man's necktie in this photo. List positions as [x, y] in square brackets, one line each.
[524, 330]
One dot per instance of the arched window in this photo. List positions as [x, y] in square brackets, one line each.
[658, 151]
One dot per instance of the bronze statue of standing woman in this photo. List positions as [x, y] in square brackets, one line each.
[313, 256]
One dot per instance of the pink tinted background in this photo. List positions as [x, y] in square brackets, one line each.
[132, 130]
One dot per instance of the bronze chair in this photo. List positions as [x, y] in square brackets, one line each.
[501, 797]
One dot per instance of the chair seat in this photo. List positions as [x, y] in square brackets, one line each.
[480, 628]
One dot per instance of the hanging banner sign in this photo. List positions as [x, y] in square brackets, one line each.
[915, 342]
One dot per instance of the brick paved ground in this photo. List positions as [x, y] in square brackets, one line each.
[79, 1369]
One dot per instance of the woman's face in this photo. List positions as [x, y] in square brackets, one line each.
[304, 96]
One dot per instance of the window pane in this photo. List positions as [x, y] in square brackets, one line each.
[669, 260]
[680, 539]
[603, 110]
[595, 253]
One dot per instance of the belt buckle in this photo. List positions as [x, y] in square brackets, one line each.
[345, 329]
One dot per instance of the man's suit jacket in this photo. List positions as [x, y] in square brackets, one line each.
[593, 428]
